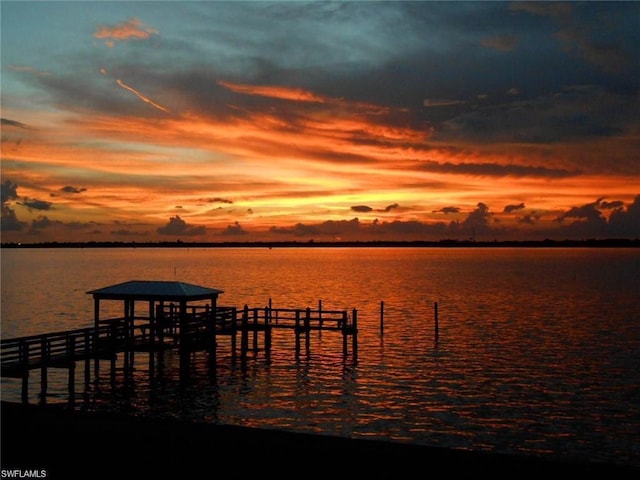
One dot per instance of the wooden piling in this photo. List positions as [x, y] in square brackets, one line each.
[234, 331]
[297, 332]
[255, 330]
[87, 357]
[24, 356]
[44, 357]
[381, 318]
[307, 329]
[244, 338]
[267, 330]
[71, 381]
[354, 334]
[345, 321]
[435, 314]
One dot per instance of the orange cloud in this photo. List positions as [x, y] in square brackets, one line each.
[141, 96]
[296, 94]
[124, 31]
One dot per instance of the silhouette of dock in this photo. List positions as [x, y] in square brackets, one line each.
[178, 316]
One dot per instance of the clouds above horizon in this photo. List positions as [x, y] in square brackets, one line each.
[265, 119]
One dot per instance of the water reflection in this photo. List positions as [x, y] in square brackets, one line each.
[537, 351]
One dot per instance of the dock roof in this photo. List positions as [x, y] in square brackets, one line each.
[155, 290]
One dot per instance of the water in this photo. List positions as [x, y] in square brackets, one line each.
[538, 350]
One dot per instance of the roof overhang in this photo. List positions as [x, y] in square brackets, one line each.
[155, 290]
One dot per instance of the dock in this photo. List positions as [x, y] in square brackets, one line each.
[176, 316]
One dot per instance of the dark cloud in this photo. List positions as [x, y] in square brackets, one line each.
[588, 212]
[478, 217]
[590, 222]
[41, 223]
[177, 226]
[70, 189]
[575, 112]
[361, 208]
[611, 205]
[12, 123]
[8, 191]
[127, 233]
[34, 204]
[496, 170]
[10, 222]
[216, 200]
[513, 208]
[233, 230]
[480, 224]
[625, 223]
[393, 206]
[330, 229]
[448, 210]
[528, 219]
[298, 230]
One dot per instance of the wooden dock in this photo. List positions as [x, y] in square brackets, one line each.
[197, 331]
[169, 322]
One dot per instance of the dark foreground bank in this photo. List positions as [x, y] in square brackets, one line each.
[68, 445]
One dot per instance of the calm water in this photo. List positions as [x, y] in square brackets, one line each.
[538, 349]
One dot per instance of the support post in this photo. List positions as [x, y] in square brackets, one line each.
[24, 360]
[113, 333]
[87, 358]
[44, 359]
[345, 329]
[354, 335]
[267, 331]
[297, 330]
[234, 331]
[307, 329]
[96, 335]
[71, 382]
[255, 330]
[214, 334]
[244, 339]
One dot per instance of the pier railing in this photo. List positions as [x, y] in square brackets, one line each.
[62, 349]
[187, 330]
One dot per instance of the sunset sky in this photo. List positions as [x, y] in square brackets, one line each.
[242, 121]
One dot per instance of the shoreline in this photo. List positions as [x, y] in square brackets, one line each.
[74, 444]
[444, 243]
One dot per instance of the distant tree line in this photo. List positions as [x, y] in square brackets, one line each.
[613, 242]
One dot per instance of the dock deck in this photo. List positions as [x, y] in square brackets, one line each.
[195, 330]
[178, 316]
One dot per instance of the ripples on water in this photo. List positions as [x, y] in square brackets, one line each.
[538, 350]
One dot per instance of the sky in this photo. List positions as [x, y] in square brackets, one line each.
[216, 121]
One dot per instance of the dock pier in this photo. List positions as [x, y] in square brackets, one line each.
[180, 317]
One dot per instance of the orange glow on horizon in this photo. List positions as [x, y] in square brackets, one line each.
[143, 172]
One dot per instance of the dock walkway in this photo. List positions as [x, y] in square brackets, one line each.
[178, 316]
[171, 328]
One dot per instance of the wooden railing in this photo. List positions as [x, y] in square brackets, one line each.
[61, 349]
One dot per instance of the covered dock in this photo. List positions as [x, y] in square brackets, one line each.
[159, 315]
